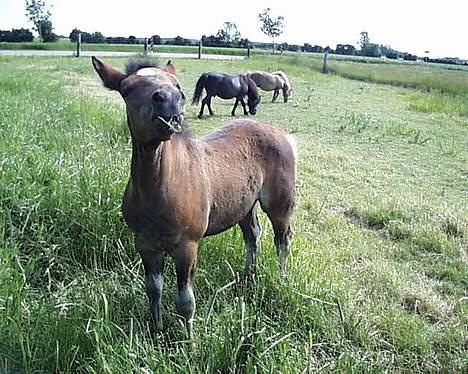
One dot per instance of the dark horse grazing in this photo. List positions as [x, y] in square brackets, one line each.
[226, 87]
[182, 189]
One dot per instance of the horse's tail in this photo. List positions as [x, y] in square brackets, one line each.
[199, 89]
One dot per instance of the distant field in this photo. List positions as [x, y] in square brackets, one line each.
[449, 86]
[378, 275]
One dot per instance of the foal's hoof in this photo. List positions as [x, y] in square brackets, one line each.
[199, 116]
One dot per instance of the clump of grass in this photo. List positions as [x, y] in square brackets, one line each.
[439, 103]
[454, 227]
[380, 218]
[357, 122]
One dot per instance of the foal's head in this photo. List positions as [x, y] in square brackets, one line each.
[153, 97]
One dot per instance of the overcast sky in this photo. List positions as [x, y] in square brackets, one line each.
[414, 26]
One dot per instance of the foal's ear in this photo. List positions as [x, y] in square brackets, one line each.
[110, 77]
[170, 68]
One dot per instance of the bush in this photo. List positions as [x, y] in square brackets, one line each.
[86, 37]
[371, 50]
[392, 55]
[16, 35]
[345, 49]
[309, 48]
[410, 57]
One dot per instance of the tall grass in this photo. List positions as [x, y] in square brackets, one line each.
[378, 264]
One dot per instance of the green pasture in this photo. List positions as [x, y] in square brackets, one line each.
[378, 270]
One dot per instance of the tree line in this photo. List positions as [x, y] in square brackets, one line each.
[228, 36]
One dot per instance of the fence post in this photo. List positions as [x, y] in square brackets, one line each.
[145, 47]
[200, 45]
[248, 51]
[78, 45]
[325, 63]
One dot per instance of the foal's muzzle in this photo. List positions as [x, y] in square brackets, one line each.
[172, 124]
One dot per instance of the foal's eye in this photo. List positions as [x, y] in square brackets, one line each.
[157, 97]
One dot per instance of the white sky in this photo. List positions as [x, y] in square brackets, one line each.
[414, 26]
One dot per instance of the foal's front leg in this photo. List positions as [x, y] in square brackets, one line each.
[153, 262]
[185, 257]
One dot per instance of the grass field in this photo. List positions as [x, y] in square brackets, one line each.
[378, 271]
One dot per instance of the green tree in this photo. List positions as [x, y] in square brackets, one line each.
[38, 14]
[229, 33]
[48, 35]
[271, 26]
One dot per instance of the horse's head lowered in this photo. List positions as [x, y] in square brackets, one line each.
[153, 97]
[253, 96]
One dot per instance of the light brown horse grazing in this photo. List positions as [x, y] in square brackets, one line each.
[182, 188]
[276, 81]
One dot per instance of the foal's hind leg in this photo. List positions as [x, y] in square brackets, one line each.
[252, 232]
[279, 210]
[283, 234]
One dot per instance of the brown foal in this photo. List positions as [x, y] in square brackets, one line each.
[182, 188]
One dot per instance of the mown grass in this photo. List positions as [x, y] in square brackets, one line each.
[378, 274]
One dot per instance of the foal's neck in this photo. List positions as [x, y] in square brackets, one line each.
[153, 163]
[146, 164]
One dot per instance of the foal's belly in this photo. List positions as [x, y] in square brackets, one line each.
[227, 213]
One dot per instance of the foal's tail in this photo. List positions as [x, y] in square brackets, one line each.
[199, 89]
[293, 143]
